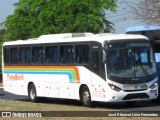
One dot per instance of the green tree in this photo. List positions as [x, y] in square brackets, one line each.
[33, 18]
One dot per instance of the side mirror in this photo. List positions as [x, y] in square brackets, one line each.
[104, 56]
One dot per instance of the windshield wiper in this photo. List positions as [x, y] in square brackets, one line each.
[144, 70]
[135, 69]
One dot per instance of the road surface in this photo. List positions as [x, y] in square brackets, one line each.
[139, 106]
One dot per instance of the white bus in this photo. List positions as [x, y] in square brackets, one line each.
[86, 67]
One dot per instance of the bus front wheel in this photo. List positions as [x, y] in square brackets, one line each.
[32, 94]
[86, 97]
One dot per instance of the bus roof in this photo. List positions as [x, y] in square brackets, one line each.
[142, 28]
[62, 38]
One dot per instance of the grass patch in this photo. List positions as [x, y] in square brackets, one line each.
[6, 105]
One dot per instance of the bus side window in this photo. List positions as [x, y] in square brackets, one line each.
[34, 55]
[81, 54]
[66, 54]
[27, 55]
[95, 61]
[14, 55]
[51, 54]
[70, 54]
[38, 55]
[41, 55]
[6, 55]
[55, 58]
[22, 55]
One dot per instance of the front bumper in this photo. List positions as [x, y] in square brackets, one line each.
[133, 96]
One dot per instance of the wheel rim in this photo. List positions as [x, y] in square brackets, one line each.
[86, 97]
[32, 93]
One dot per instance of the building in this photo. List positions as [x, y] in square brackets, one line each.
[124, 17]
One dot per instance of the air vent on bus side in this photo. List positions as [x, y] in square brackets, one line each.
[65, 35]
[81, 34]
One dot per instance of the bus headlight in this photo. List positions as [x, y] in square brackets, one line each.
[113, 87]
[154, 85]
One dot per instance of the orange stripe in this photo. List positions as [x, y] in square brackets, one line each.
[77, 74]
[39, 67]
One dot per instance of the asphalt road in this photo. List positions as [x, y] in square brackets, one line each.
[139, 106]
[9, 96]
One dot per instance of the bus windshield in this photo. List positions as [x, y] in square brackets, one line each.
[130, 60]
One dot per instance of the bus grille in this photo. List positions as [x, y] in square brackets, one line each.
[136, 96]
[134, 90]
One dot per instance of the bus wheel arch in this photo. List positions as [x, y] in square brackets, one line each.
[32, 93]
[85, 96]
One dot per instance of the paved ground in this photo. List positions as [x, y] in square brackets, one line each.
[8, 96]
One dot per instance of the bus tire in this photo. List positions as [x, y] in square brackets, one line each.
[32, 94]
[86, 97]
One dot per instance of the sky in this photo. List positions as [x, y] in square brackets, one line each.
[6, 8]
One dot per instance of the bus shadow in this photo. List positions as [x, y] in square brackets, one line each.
[123, 106]
[103, 105]
[60, 101]
[2, 94]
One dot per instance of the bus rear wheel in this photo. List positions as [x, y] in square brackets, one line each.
[32, 94]
[86, 97]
